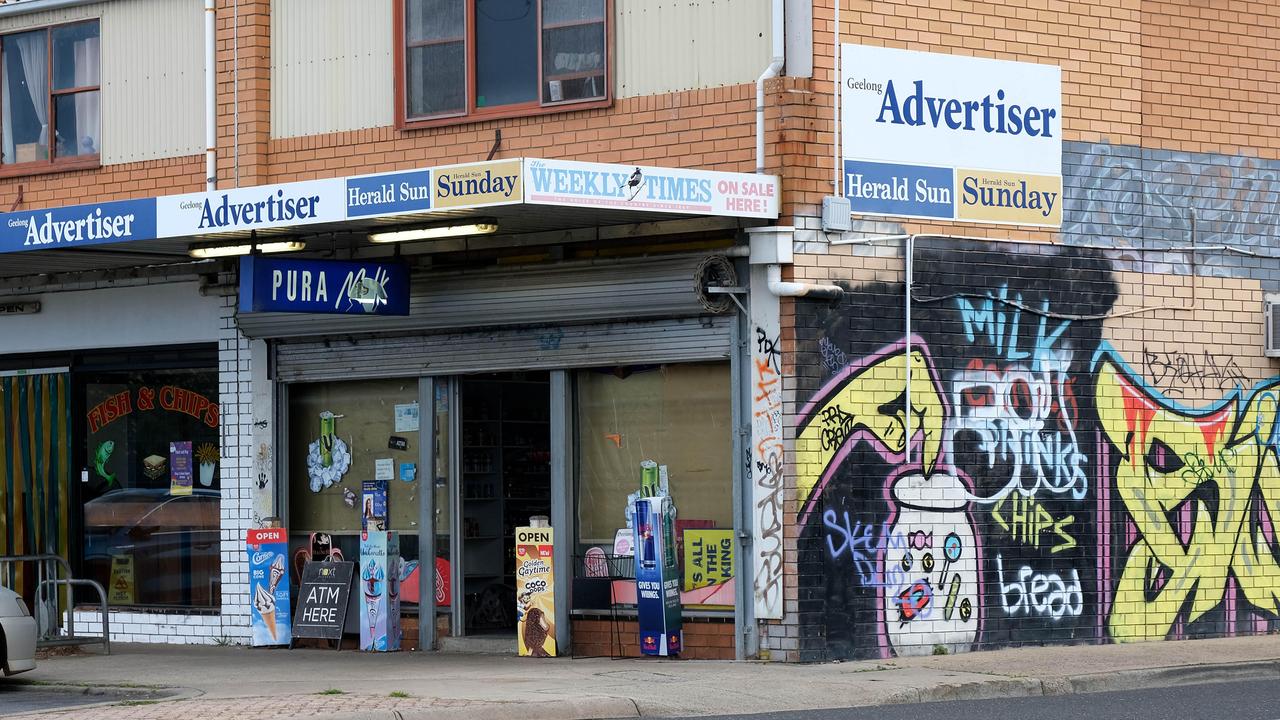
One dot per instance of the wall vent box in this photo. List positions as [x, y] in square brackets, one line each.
[1271, 322]
[836, 213]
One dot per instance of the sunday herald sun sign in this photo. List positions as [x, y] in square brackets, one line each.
[947, 137]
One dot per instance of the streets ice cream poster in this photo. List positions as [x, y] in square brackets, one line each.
[268, 586]
[535, 593]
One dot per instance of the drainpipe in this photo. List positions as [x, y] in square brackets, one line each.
[909, 249]
[771, 247]
[777, 27]
[210, 110]
[773, 274]
[908, 272]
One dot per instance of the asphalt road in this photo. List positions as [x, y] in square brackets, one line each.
[1249, 700]
[16, 698]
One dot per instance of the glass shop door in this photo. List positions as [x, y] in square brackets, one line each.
[505, 480]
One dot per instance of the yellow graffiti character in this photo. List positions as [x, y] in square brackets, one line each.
[872, 399]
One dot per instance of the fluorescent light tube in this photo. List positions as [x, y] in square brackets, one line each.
[217, 251]
[435, 233]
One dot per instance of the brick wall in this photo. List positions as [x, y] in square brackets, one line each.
[243, 92]
[114, 182]
[1172, 76]
[238, 478]
[1177, 77]
[703, 639]
[1165, 146]
[710, 129]
[1060, 393]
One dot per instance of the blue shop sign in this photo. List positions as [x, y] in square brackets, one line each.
[78, 225]
[891, 189]
[389, 194]
[323, 286]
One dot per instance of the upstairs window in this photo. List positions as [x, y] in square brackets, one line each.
[485, 58]
[50, 105]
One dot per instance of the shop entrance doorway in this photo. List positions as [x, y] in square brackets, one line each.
[506, 483]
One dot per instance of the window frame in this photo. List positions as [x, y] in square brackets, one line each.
[54, 164]
[88, 365]
[472, 114]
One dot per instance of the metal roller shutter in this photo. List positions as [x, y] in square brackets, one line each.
[570, 292]
[568, 346]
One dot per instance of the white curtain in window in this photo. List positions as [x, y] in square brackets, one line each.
[6, 106]
[35, 70]
[88, 104]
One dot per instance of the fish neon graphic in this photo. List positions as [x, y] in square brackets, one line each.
[100, 459]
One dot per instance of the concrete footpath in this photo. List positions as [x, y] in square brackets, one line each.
[234, 682]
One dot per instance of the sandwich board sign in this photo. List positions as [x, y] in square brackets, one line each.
[322, 600]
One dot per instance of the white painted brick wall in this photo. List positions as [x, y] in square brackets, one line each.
[236, 400]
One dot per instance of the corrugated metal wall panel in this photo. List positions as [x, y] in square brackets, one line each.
[571, 346]
[672, 45]
[50, 17]
[152, 74]
[331, 66]
[152, 79]
[332, 61]
[567, 292]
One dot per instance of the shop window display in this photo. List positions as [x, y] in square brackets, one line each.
[679, 418]
[343, 437]
[151, 486]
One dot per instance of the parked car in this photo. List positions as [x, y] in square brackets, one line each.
[172, 542]
[17, 634]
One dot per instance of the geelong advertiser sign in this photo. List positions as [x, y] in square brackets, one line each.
[78, 225]
[953, 138]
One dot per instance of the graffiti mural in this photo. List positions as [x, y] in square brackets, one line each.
[1177, 373]
[765, 463]
[1200, 491]
[1136, 197]
[1001, 476]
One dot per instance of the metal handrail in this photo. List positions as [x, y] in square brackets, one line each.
[71, 637]
[45, 563]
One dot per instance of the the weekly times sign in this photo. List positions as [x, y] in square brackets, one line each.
[948, 137]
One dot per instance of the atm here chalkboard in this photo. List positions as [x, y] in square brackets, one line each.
[322, 600]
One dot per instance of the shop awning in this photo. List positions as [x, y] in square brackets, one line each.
[540, 201]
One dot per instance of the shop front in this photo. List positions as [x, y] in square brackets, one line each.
[498, 384]
[110, 438]
[447, 356]
[475, 431]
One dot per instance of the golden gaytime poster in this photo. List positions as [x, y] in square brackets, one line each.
[535, 593]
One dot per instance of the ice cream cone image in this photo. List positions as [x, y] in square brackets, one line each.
[373, 577]
[269, 619]
[277, 573]
[265, 604]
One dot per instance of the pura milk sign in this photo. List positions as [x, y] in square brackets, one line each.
[269, 284]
